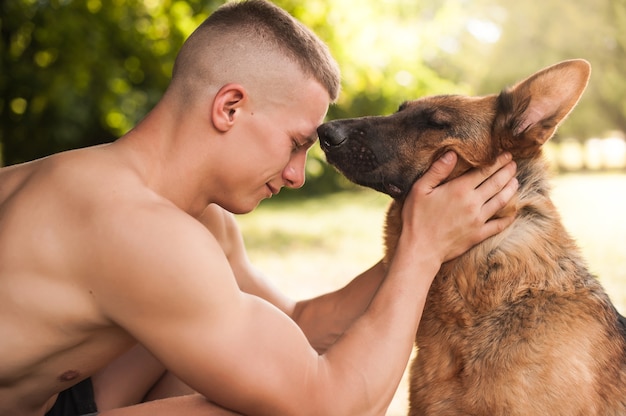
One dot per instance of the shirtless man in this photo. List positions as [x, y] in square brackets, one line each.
[121, 260]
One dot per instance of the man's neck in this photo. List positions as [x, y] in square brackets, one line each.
[157, 151]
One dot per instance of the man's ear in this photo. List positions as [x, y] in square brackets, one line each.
[226, 106]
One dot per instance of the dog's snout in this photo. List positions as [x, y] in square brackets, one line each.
[331, 135]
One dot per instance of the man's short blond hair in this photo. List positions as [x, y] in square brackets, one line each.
[246, 40]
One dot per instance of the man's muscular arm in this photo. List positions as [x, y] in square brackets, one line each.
[323, 319]
[225, 229]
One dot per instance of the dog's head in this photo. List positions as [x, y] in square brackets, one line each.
[388, 153]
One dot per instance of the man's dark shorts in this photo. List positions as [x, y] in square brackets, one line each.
[78, 400]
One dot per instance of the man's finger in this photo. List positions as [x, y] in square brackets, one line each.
[497, 181]
[499, 200]
[478, 176]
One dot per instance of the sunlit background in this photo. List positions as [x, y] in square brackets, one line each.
[80, 72]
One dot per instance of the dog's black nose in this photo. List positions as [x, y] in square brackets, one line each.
[331, 135]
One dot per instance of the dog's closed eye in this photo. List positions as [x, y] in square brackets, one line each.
[438, 122]
[403, 106]
[437, 118]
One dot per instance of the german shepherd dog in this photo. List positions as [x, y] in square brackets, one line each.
[517, 325]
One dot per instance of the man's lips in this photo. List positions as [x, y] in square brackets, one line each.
[273, 190]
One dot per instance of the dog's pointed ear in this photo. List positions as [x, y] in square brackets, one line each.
[529, 113]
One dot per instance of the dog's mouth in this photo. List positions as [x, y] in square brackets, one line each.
[393, 190]
[346, 150]
[362, 165]
[376, 178]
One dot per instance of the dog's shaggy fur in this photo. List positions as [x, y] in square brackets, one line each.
[517, 325]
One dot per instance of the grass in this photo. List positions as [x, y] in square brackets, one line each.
[314, 246]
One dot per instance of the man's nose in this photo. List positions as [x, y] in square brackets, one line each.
[294, 173]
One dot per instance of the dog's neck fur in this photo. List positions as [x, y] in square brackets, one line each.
[537, 225]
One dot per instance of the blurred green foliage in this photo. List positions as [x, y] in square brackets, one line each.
[81, 72]
[77, 73]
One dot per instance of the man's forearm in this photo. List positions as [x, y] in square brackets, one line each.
[365, 331]
[325, 318]
[372, 354]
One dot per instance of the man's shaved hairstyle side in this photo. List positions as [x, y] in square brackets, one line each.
[265, 25]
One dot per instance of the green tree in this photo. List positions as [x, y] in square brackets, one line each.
[77, 73]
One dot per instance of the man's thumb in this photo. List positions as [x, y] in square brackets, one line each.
[439, 170]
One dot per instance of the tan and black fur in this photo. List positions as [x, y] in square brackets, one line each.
[517, 325]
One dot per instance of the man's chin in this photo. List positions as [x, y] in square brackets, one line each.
[241, 208]
[249, 207]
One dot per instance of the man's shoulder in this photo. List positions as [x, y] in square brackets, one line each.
[149, 246]
[108, 205]
[156, 253]
[100, 185]
[142, 219]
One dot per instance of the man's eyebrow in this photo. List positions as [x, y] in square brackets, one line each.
[310, 140]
